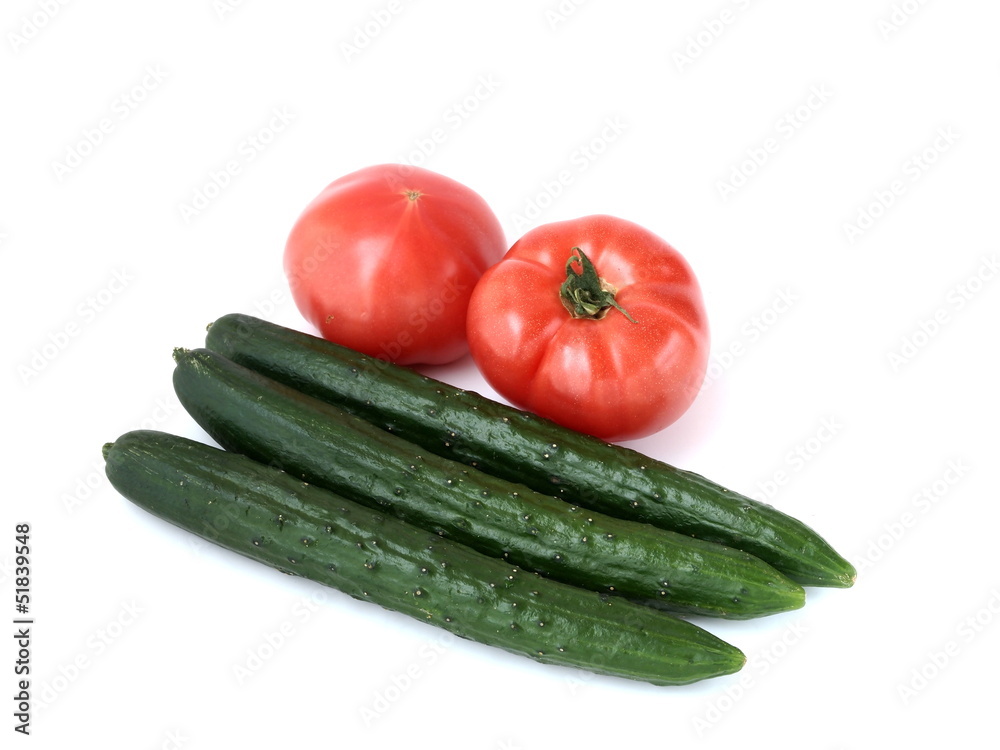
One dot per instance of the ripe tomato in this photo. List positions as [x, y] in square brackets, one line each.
[595, 323]
[384, 261]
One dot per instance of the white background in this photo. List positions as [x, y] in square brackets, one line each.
[820, 343]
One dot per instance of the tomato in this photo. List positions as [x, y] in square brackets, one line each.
[385, 259]
[594, 323]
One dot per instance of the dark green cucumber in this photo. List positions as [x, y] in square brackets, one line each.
[269, 516]
[272, 423]
[521, 447]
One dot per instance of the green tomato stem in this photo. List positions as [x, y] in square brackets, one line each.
[586, 294]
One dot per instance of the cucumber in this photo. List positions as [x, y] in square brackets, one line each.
[269, 516]
[521, 447]
[249, 413]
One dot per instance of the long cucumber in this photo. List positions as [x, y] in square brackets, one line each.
[249, 413]
[276, 519]
[518, 446]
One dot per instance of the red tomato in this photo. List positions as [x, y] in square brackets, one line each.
[384, 261]
[595, 323]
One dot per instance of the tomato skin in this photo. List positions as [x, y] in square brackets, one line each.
[385, 259]
[612, 378]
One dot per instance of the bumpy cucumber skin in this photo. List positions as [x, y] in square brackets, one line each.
[519, 446]
[269, 516]
[249, 413]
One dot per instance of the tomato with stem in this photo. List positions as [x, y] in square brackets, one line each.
[595, 323]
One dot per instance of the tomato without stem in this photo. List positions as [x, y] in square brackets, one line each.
[595, 323]
[385, 259]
